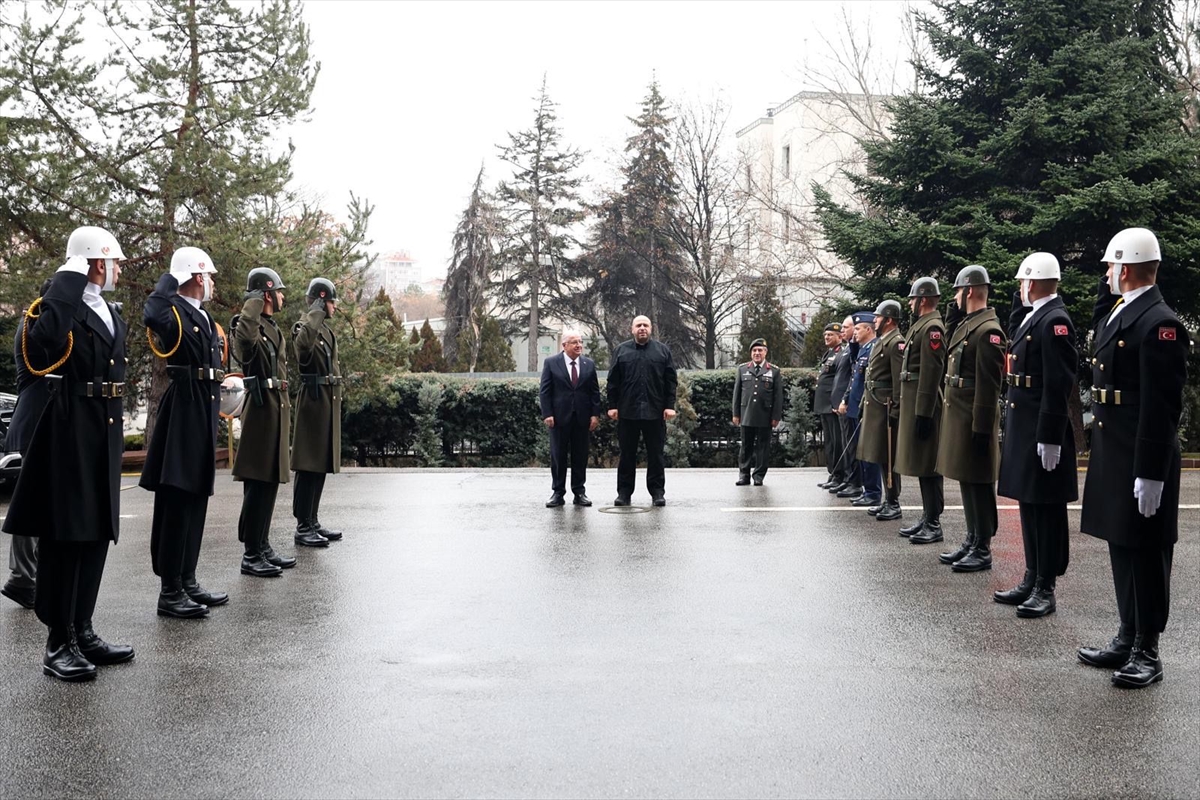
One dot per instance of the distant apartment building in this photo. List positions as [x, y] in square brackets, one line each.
[395, 272]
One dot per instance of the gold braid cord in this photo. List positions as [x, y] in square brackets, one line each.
[171, 352]
[38, 373]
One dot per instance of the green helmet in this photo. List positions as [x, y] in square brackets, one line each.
[888, 309]
[925, 287]
[973, 275]
[264, 279]
[321, 288]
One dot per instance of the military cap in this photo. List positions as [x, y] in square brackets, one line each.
[925, 287]
[973, 275]
[833, 327]
[758, 343]
[888, 309]
[862, 316]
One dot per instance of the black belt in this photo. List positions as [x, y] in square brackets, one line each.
[252, 381]
[909, 376]
[873, 385]
[195, 373]
[1114, 397]
[321, 380]
[1021, 380]
[101, 390]
[955, 382]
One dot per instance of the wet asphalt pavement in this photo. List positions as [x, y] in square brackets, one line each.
[463, 641]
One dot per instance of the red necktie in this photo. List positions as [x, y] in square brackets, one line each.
[574, 375]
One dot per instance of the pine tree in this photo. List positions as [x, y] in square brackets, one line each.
[469, 275]
[763, 317]
[495, 351]
[429, 357]
[1050, 125]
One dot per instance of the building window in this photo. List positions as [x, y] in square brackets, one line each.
[787, 160]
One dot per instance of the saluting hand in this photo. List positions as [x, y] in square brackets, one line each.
[254, 294]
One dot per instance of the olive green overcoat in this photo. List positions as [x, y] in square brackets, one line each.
[921, 395]
[879, 398]
[317, 437]
[974, 376]
[258, 344]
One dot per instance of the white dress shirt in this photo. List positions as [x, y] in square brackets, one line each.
[578, 362]
[91, 296]
[1128, 297]
[1033, 310]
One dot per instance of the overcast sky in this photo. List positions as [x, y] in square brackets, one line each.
[414, 96]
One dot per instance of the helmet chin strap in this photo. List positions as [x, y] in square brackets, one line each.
[1114, 279]
[208, 288]
[110, 275]
[1025, 301]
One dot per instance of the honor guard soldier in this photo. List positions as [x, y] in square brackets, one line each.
[317, 442]
[881, 409]
[1037, 462]
[921, 372]
[262, 461]
[968, 447]
[870, 492]
[757, 409]
[1131, 494]
[824, 407]
[68, 493]
[181, 461]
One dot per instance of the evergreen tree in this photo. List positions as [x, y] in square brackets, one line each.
[763, 318]
[1050, 125]
[429, 357]
[495, 351]
[469, 275]
[540, 204]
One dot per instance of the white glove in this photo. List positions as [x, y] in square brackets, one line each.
[181, 275]
[75, 264]
[1148, 494]
[1050, 455]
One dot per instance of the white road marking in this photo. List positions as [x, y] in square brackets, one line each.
[862, 509]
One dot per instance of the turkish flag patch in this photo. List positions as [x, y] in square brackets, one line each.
[1060, 330]
[1166, 334]
[994, 338]
[900, 346]
[935, 335]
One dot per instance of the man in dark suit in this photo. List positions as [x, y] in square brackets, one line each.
[823, 405]
[570, 401]
[843, 373]
[1131, 494]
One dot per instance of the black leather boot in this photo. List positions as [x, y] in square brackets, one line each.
[1019, 593]
[1041, 600]
[1115, 654]
[963, 549]
[201, 595]
[257, 565]
[98, 651]
[889, 511]
[63, 659]
[978, 559]
[307, 536]
[176, 603]
[1144, 666]
[931, 532]
[911, 529]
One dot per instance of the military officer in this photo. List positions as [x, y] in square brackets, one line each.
[181, 461]
[968, 448]
[757, 409]
[881, 409]
[1131, 493]
[1037, 462]
[870, 493]
[68, 493]
[921, 372]
[262, 461]
[317, 446]
[823, 406]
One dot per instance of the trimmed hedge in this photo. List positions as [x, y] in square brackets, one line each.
[496, 422]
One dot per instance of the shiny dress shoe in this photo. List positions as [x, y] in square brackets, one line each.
[64, 661]
[283, 562]
[178, 604]
[1115, 654]
[333, 536]
[203, 596]
[827, 484]
[758, 481]
[310, 539]
[889, 512]
[875, 509]
[621, 500]
[259, 567]
[555, 501]
[1040, 603]
[931, 532]
[914, 528]
[659, 500]
[98, 651]
[742, 481]
[1019, 593]
[849, 490]
[864, 501]
[1144, 666]
[963, 549]
[21, 595]
[582, 500]
[977, 560]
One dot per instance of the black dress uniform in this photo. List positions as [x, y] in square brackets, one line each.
[1042, 363]
[826, 410]
[180, 462]
[847, 462]
[68, 493]
[880, 418]
[921, 372]
[1139, 368]
[758, 402]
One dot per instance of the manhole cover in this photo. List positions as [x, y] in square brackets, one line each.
[624, 509]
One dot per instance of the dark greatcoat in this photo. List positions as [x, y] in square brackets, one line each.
[843, 370]
[1143, 353]
[921, 373]
[69, 488]
[1042, 361]
[317, 438]
[883, 379]
[826, 376]
[182, 451]
[976, 355]
[258, 344]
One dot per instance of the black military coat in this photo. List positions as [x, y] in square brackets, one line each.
[920, 392]
[881, 407]
[1042, 363]
[258, 343]
[69, 488]
[1143, 356]
[183, 448]
[974, 377]
[758, 395]
[826, 376]
[32, 393]
[843, 370]
[317, 442]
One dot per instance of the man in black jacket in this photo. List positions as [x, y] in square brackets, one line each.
[641, 399]
[826, 409]
[569, 396]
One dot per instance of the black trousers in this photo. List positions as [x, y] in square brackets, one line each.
[306, 498]
[258, 504]
[891, 494]
[176, 531]
[1142, 578]
[755, 452]
[849, 448]
[68, 582]
[569, 445]
[1045, 534]
[654, 433]
[979, 508]
[831, 430]
[933, 497]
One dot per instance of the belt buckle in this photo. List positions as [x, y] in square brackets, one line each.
[1116, 397]
[117, 389]
[1102, 393]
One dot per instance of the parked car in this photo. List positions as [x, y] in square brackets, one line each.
[10, 463]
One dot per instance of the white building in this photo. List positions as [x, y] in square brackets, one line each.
[395, 272]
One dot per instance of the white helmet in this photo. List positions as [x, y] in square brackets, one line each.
[92, 242]
[1133, 246]
[191, 260]
[1038, 267]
